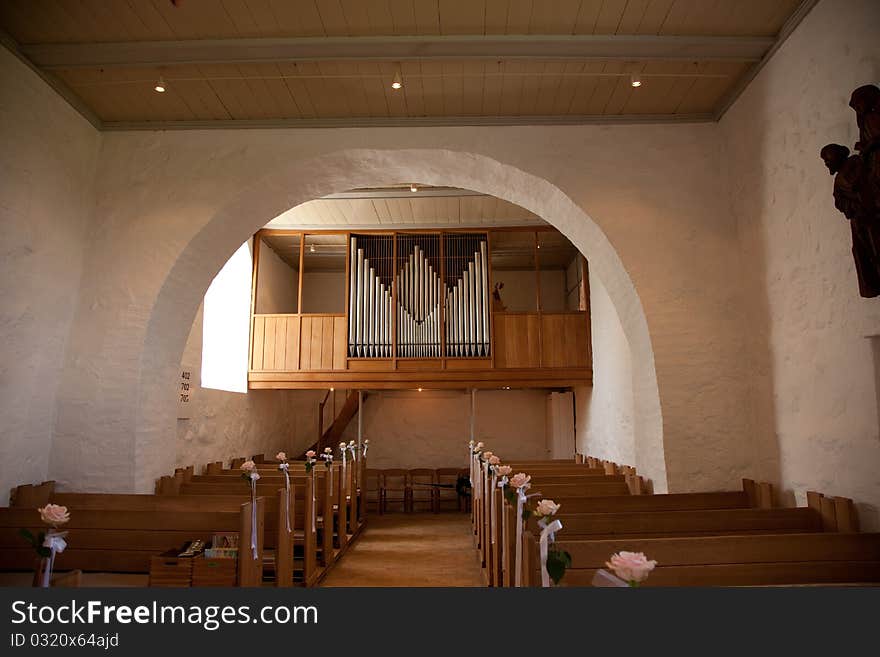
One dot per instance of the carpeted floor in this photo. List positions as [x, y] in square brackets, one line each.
[411, 550]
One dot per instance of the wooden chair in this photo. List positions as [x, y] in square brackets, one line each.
[373, 489]
[395, 489]
[423, 489]
[447, 478]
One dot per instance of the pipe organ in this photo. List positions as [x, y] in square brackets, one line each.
[427, 290]
[370, 296]
[466, 295]
[405, 309]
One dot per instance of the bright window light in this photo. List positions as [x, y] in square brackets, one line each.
[226, 325]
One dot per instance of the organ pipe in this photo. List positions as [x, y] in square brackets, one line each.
[420, 281]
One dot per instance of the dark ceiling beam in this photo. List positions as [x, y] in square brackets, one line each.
[218, 51]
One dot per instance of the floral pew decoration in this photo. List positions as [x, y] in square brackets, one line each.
[310, 468]
[328, 463]
[48, 544]
[251, 475]
[284, 466]
[494, 463]
[553, 560]
[515, 494]
[631, 567]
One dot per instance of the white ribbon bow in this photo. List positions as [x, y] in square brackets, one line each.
[548, 535]
[254, 514]
[56, 544]
[492, 517]
[344, 464]
[314, 498]
[364, 449]
[284, 467]
[520, 502]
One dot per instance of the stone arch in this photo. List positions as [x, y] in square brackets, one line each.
[304, 180]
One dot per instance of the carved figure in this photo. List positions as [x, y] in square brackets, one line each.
[857, 187]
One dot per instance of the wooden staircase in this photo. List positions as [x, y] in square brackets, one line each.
[333, 434]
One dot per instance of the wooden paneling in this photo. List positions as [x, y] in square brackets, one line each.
[323, 342]
[419, 364]
[275, 343]
[66, 21]
[564, 340]
[517, 342]
[468, 363]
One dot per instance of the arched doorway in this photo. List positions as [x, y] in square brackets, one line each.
[300, 181]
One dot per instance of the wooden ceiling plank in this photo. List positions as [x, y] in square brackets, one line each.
[511, 88]
[351, 88]
[102, 18]
[604, 88]
[380, 207]
[654, 16]
[588, 15]
[568, 85]
[379, 16]
[222, 88]
[610, 16]
[403, 17]
[427, 16]
[374, 89]
[462, 16]
[495, 21]
[676, 18]
[586, 87]
[632, 16]
[241, 17]
[264, 17]
[298, 90]
[412, 88]
[280, 92]
[265, 104]
[519, 15]
[453, 88]
[332, 18]
[548, 87]
[623, 89]
[472, 85]
[22, 22]
[297, 19]
[531, 84]
[560, 20]
[395, 99]
[432, 88]
[491, 103]
[183, 21]
[356, 17]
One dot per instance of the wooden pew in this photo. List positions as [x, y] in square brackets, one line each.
[737, 560]
[125, 540]
[323, 510]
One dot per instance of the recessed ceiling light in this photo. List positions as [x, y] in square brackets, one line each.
[311, 248]
[635, 81]
[397, 82]
[420, 389]
[413, 188]
[160, 86]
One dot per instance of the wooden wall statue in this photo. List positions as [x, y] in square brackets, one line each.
[857, 186]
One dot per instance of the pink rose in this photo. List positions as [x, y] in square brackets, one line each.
[547, 507]
[504, 470]
[248, 466]
[328, 450]
[633, 567]
[281, 456]
[311, 454]
[520, 479]
[54, 514]
[342, 446]
[494, 460]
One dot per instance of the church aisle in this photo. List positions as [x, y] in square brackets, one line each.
[411, 550]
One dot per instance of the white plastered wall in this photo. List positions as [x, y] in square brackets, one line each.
[812, 368]
[430, 429]
[605, 411]
[47, 167]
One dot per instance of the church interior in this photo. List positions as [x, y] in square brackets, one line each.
[405, 293]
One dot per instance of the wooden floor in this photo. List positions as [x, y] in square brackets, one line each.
[411, 550]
